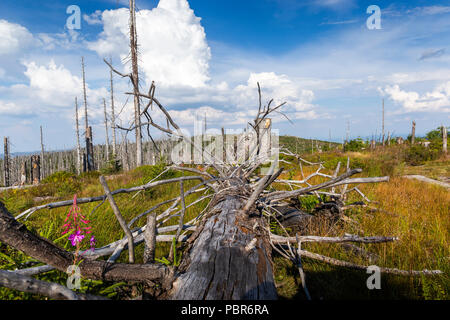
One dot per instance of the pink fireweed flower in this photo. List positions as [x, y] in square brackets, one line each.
[76, 238]
[92, 241]
[78, 225]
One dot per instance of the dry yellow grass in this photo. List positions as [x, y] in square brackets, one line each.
[416, 212]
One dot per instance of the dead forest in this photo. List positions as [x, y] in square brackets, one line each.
[228, 248]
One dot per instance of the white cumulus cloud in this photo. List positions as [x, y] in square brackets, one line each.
[52, 84]
[172, 43]
[13, 37]
[52, 88]
[94, 18]
[281, 89]
[438, 100]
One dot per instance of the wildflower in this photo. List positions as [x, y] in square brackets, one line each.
[92, 241]
[78, 226]
[76, 238]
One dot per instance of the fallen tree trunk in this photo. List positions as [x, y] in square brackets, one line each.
[19, 237]
[229, 257]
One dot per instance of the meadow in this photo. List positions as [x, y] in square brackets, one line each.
[416, 212]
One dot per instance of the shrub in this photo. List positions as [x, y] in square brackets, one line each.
[113, 166]
[418, 154]
[355, 145]
[58, 177]
[436, 134]
[60, 184]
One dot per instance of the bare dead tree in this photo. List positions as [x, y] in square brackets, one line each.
[106, 130]
[135, 82]
[88, 132]
[42, 156]
[413, 133]
[444, 139]
[347, 132]
[113, 115]
[6, 171]
[77, 129]
[382, 126]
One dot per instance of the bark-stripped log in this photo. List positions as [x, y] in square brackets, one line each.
[229, 258]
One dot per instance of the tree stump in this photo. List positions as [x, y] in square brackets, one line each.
[35, 169]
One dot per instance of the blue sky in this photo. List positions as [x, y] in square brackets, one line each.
[206, 57]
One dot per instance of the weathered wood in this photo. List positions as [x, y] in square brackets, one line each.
[88, 130]
[6, 172]
[444, 139]
[35, 169]
[23, 173]
[42, 157]
[27, 284]
[135, 81]
[428, 180]
[119, 218]
[180, 223]
[413, 133]
[77, 132]
[350, 265]
[301, 271]
[90, 165]
[230, 258]
[382, 126]
[106, 131]
[113, 115]
[150, 239]
[345, 239]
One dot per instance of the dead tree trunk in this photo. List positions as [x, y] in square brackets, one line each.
[113, 117]
[88, 130]
[35, 169]
[42, 156]
[413, 133]
[89, 150]
[135, 78]
[23, 173]
[106, 131]
[444, 139]
[229, 258]
[6, 172]
[77, 128]
[382, 129]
